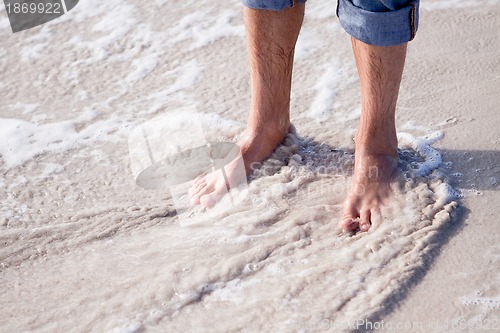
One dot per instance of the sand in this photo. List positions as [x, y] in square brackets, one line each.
[462, 282]
[84, 249]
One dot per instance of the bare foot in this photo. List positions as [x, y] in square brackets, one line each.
[370, 190]
[208, 189]
[271, 38]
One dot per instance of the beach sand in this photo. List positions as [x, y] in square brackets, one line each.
[461, 286]
[84, 249]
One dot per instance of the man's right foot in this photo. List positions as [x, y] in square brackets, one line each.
[209, 188]
[271, 38]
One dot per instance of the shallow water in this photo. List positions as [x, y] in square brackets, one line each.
[276, 254]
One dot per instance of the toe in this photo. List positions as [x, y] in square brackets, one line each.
[350, 221]
[209, 200]
[197, 187]
[199, 179]
[194, 193]
[349, 224]
[350, 217]
[365, 223]
[195, 198]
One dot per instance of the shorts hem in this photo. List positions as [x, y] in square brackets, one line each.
[270, 4]
[379, 28]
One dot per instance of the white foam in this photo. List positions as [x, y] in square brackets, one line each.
[321, 107]
[307, 44]
[143, 66]
[32, 52]
[183, 29]
[201, 27]
[334, 77]
[23, 140]
[422, 145]
[214, 30]
[321, 9]
[35, 45]
[186, 76]
[116, 20]
[446, 193]
[353, 115]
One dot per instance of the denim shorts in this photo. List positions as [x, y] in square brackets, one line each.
[375, 22]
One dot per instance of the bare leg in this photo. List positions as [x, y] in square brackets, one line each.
[380, 70]
[271, 38]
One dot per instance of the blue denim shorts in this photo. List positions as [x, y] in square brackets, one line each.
[375, 22]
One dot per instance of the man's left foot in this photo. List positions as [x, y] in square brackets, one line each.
[369, 191]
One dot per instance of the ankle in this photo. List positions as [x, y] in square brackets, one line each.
[377, 143]
[273, 131]
[386, 145]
